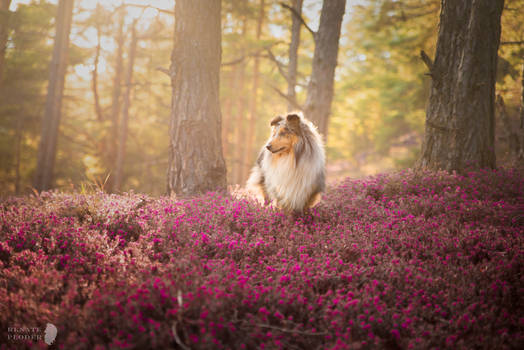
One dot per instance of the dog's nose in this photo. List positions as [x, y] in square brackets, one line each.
[268, 147]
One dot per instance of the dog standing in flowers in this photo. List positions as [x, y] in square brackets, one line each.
[290, 169]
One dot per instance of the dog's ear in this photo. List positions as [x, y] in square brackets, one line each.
[276, 120]
[293, 119]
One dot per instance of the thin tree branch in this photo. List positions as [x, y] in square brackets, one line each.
[172, 13]
[291, 100]
[404, 17]
[300, 18]
[255, 53]
[237, 60]
[177, 338]
[405, 6]
[427, 61]
[164, 70]
[242, 58]
[294, 331]
[512, 43]
[281, 67]
[302, 85]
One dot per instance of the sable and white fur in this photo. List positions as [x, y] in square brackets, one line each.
[290, 169]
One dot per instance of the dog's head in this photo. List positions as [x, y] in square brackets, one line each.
[285, 133]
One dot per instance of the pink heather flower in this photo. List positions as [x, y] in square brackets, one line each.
[399, 247]
[395, 333]
[284, 279]
[193, 338]
[263, 310]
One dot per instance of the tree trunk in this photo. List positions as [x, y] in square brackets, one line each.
[296, 25]
[512, 136]
[112, 137]
[4, 33]
[320, 88]
[460, 117]
[240, 116]
[252, 116]
[521, 136]
[196, 164]
[228, 110]
[122, 131]
[18, 154]
[52, 112]
[94, 73]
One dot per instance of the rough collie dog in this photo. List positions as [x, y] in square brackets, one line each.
[290, 167]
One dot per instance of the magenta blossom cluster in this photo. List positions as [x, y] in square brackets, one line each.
[411, 260]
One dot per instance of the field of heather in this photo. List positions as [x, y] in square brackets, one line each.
[407, 260]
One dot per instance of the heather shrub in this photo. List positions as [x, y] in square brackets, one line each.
[406, 260]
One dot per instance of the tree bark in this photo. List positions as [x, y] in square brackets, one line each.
[52, 112]
[18, 154]
[228, 111]
[460, 117]
[252, 116]
[122, 131]
[240, 117]
[296, 25]
[512, 136]
[4, 34]
[521, 136]
[112, 137]
[94, 73]
[196, 164]
[320, 89]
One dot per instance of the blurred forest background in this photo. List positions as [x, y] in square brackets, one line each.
[120, 51]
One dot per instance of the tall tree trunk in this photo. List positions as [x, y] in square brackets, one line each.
[460, 117]
[512, 136]
[18, 154]
[296, 25]
[52, 112]
[240, 116]
[196, 164]
[521, 136]
[122, 131]
[112, 137]
[4, 34]
[94, 73]
[320, 88]
[252, 116]
[228, 110]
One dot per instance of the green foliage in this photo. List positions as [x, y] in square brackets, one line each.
[383, 90]
[383, 86]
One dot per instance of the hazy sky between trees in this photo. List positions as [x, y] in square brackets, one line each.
[311, 10]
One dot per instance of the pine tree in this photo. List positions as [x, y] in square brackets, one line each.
[55, 89]
[196, 164]
[460, 118]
